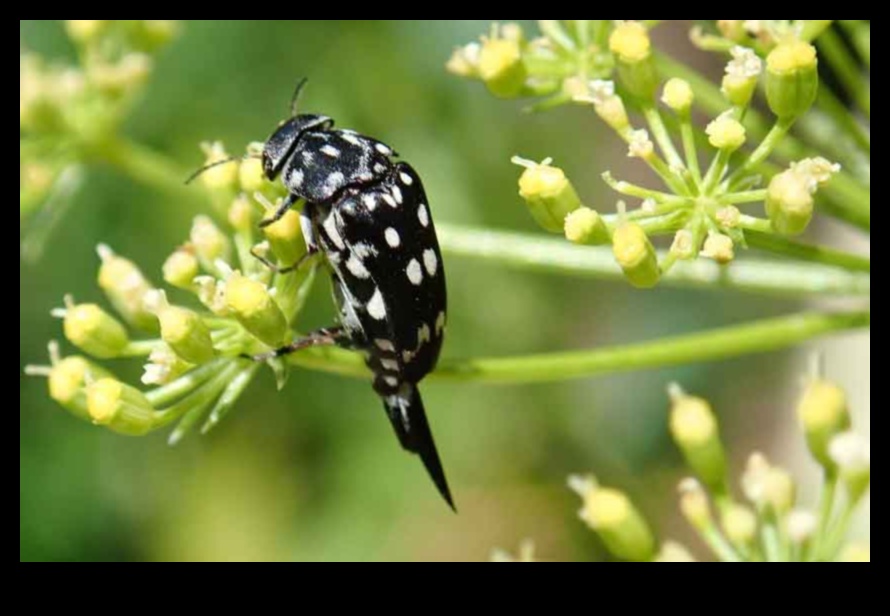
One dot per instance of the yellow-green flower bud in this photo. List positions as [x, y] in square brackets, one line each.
[181, 267]
[92, 329]
[851, 453]
[740, 79]
[586, 226]
[155, 33]
[823, 413]
[694, 504]
[791, 78]
[768, 486]
[220, 177]
[739, 523]
[718, 247]
[855, 553]
[120, 407]
[694, 428]
[630, 43]
[67, 378]
[286, 238]
[677, 95]
[733, 29]
[85, 30]
[163, 366]
[501, 67]
[608, 105]
[125, 286]
[726, 133]
[253, 306]
[728, 216]
[548, 193]
[210, 243]
[673, 552]
[640, 145]
[240, 214]
[801, 525]
[183, 329]
[612, 515]
[636, 255]
[464, 61]
[123, 76]
[789, 202]
[251, 176]
[683, 247]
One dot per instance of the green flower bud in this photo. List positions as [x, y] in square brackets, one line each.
[789, 202]
[636, 255]
[251, 176]
[501, 67]
[125, 286]
[163, 366]
[240, 213]
[694, 428]
[741, 76]
[677, 94]
[726, 133]
[739, 523]
[612, 515]
[67, 378]
[210, 243]
[791, 78]
[851, 453]
[718, 247]
[182, 329]
[221, 177]
[92, 329]
[608, 105]
[119, 406]
[673, 552]
[548, 193]
[683, 247]
[181, 267]
[694, 504]
[253, 306]
[286, 238]
[586, 226]
[823, 413]
[630, 43]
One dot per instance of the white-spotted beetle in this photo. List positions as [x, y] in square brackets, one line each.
[369, 217]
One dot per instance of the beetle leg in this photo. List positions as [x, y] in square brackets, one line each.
[326, 336]
[278, 269]
[287, 204]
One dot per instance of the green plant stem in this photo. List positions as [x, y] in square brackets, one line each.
[164, 395]
[721, 343]
[846, 122]
[844, 66]
[769, 535]
[826, 508]
[139, 348]
[747, 196]
[807, 252]
[721, 547]
[687, 134]
[541, 253]
[764, 149]
[662, 138]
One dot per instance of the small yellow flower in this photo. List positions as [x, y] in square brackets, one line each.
[823, 413]
[286, 238]
[253, 306]
[586, 226]
[209, 242]
[718, 247]
[92, 329]
[630, 42]
[635, 254]
[122, 408]
[739, 523]
[678, 95]
[548, 193]
[726, 133]
[694, 504]
[501, 67]
[792, 80]
[125, 286]
[181, 267]
[220, 177]
[183, 329]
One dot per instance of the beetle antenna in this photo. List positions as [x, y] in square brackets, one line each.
[217, 163]
[296, 97]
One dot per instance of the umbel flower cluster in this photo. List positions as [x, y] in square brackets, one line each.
[768, 524]
[611, 67]
[229, 299]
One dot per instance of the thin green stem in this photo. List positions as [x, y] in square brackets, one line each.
[763, 150]
[746, 196]
[197, 400]
[662, 138]
[721, 343]
[807, 252]
[719, 544]
[164, 395]
[139, 348]
[837, 533]
[769, 536]
[832, 48]
[687, 133]
[826, 508]
[846, 122]
[641, 192]
[539, 253]
[715, 171]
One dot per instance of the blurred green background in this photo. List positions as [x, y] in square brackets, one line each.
[314, 472]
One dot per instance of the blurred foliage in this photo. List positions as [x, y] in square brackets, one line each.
[314, 472]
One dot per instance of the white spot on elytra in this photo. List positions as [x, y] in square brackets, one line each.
[407, 180]
[389, 200]
[384, 345]
[296, 179]
[356, 267]
[376, 307]
[422, 215]
[407, 356]
[414, 273]
[330, 228]
[370, 201]
[440, 323]
[307, 157]
[364, 250]
[379, 167]
[383, 149]
[335, 179]
[423, 334]
[331, 151]
[350, 138]
[430, 262]
[392, 237]
[389, 364]
[391, 381]
[397, 193]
